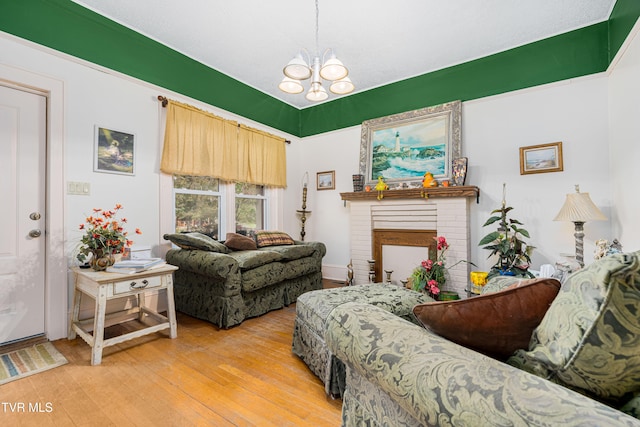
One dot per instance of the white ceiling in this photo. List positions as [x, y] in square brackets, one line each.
[379, 41]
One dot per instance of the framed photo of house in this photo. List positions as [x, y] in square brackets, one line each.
[541, 158]
[114, 151]
[403, 147]
[326, 180]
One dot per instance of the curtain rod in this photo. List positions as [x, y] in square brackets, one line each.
[165, 101]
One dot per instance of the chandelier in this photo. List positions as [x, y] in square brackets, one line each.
[330, 69]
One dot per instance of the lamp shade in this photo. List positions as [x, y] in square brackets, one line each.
[342, 86]
[291, 85]
[317, 93]
[297, 68]
[578, 207]
[333, 69]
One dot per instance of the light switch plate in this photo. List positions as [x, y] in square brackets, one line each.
[78, 188]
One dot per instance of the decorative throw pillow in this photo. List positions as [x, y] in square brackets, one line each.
[196, 240]
[590, 337]
[238, 242]
[272, 238]
[496, 324]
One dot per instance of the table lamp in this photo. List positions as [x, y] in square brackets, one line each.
[578, 208]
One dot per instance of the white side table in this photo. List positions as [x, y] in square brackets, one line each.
[102, 287]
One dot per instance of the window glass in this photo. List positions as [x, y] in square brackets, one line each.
[250, 208]
[197, 204]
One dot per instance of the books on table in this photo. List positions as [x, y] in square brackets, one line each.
[135, 265]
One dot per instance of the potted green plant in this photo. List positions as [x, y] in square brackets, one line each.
[508, 244]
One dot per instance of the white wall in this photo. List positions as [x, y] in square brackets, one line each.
[574, 112]
[329, 220]
[92, 96]
[624, 134]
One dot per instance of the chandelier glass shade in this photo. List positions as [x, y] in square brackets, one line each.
[329, 68]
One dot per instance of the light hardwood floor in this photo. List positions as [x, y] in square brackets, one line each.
[244, 376]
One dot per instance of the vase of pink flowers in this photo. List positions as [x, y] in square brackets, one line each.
[431, 275]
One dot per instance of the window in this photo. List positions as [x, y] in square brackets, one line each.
[250, 208]
[206, 205]
[197, 201]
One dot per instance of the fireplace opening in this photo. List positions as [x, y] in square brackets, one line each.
[395, 237]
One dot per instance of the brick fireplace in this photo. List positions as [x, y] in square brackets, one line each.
[404, 219]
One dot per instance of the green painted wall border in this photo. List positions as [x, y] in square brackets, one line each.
[70, 28]
[623, 17]
[577, 53]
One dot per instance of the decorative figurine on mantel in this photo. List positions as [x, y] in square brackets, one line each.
[427, 182]
[380, 187]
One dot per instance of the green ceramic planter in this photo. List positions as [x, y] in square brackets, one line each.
[448, 296]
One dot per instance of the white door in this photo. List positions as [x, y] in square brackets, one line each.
[22, 215]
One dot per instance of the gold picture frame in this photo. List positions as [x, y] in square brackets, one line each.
[326, 180]
[541, 158]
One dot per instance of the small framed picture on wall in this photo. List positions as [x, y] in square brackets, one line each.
[114, 151]
[541, 158]
[326, 180]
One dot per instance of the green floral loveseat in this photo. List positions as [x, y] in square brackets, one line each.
[225, 286]
[581, 368]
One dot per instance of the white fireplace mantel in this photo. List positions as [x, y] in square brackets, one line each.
[444, 210]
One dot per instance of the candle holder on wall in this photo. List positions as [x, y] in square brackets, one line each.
[303, 212]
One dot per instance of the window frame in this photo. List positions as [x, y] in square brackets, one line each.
[221, 203]
[274, 212]
[273, 207]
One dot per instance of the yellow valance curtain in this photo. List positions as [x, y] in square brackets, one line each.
[261, 157]
[199, 143]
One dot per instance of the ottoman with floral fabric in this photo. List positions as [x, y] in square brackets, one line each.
[313, 309]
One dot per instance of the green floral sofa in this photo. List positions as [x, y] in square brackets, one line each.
[225, 286]
[582, 366]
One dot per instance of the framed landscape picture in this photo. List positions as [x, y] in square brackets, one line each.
[326, 180]
[541, 158]
[114, 151]
[403, 147]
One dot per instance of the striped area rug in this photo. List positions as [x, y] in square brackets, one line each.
[28, 361]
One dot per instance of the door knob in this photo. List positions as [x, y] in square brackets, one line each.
[35, 216]
[35, 233]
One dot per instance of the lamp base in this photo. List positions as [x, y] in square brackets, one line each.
[579, 235]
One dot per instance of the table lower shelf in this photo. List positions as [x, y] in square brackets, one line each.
[123, 326]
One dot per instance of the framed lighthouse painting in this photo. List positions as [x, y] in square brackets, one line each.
[401, 148]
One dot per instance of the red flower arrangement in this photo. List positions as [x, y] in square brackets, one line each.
[105, 234]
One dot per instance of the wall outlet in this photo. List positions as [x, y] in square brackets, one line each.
[78, 188]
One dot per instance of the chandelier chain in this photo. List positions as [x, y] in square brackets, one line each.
[317, 31]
